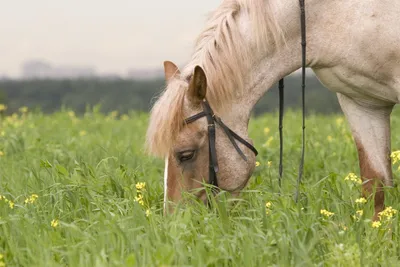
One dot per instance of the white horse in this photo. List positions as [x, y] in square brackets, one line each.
[246, 47]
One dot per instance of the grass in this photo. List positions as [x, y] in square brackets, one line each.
[84, 172]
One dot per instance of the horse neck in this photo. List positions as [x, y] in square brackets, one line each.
[268, 68]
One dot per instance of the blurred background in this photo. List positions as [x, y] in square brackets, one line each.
[78, 54]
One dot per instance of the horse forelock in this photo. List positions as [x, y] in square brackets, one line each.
[166, 119]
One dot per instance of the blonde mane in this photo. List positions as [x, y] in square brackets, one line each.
[221, 50]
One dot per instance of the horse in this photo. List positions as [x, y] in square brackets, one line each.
[247, 46]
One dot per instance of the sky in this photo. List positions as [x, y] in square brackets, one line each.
[112, 36]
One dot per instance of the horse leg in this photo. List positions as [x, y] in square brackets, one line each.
[370, 126]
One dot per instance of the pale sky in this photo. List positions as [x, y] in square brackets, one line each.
[112, 36]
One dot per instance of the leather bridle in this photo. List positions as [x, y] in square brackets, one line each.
[212, 120]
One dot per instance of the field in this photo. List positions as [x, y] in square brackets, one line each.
[70, 187]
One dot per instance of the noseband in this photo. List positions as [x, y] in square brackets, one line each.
[212, 119]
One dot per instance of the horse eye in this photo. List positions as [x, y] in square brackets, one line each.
[185, 155]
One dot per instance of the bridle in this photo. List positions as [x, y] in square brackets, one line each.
[212, 119]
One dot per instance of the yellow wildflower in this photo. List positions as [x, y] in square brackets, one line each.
[269, 163]
[327, 213]
[353, 177]
[395, 156]
[257, 163]
[361, 200]
[389, 212]
[11, 204]
[2, 264]
[2, 133]
[71, 114]
[268, 206]
[329, 138]
[2, 197]
[3, 107]
[31, 199]
[54, 223]
[1, 153]
[360, 212]
[140, 186]
[266, 130]
[124, 117]
[139, 199]
[148, 212]
[1, 256]
[23, 109]
[82, 133]
[376, 224]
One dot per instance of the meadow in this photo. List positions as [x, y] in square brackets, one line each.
[81, 191]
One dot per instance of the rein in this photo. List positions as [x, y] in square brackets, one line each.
[281, 105]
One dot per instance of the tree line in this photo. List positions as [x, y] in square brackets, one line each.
[124, 95]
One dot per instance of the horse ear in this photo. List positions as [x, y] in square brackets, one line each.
[170, 70]
[198, 86]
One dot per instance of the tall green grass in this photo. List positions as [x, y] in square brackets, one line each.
[85, 170]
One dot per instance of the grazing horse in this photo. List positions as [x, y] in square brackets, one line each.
[353, 47]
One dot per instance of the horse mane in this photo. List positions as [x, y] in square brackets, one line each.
[221, 50]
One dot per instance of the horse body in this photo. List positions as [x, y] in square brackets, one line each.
[246, 47]
[357, 49]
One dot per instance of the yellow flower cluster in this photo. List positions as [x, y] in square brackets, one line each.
[384, 215]
[1, 153]
[140, 187]
[361, 200]
[387, 213]
[395, 157]
[268, 206]
[14, 120]
[376, 224]
[353, 177]
[54, 223]
[9, 202]
[31, 199]
[148, 212]
[358, 215]
[327, 213]
[269, 164]
[3, 107]
[139, 199]
[2, 264]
